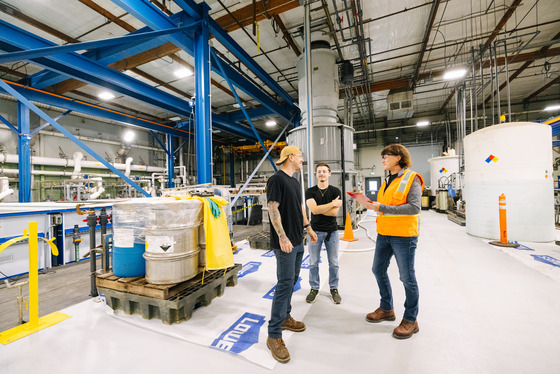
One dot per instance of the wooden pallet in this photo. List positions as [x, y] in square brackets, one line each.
[139, 285]
[179, 307]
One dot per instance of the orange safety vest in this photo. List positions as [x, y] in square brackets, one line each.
[396, 193]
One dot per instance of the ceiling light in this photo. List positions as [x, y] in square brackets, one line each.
[271, 123]
[454, 74]
[552, 107]
[105, 95]
[183, 72]
[176, 118]
[128, 136]
[422, 123]
[236, 105]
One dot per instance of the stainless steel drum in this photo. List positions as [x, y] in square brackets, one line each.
[172, 229]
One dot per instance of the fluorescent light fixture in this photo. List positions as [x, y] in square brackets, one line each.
[454, 74]
[236, 105]
[552, 107]
[176, 118]
[422, 123]
[106, 95]
[183, 72]
[128, 136]
[215, 131]
[271, 123]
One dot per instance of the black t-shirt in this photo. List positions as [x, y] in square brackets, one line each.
[321, 222]
[286, 191]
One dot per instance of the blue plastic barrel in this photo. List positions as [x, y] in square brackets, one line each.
[128, 261]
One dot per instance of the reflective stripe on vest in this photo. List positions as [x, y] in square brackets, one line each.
[398, 224]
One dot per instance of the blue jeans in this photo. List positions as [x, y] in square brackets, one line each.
[403, 248]
[287, 273]
[315, 256]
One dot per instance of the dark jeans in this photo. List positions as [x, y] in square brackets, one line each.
[404, 249]
[287, 273]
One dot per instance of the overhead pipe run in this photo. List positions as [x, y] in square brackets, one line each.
[51, 161]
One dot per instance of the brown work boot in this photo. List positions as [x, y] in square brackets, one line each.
[293, 325]
[380, 315]
[405, 329]
[278, 349]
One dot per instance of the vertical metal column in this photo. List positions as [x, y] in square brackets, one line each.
[203, 110]
[170, 161]
[231, 167]
[308, 91]
[24, 154]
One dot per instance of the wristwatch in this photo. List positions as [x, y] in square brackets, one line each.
[306, 226]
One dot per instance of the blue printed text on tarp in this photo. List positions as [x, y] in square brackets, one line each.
[270, 294]
[268, 254]
[243, 334]
[547, 260]
[248, 268]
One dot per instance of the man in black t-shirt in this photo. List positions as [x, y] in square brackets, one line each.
[287, 221]
[324, 202]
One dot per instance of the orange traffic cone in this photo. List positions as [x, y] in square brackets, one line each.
[348, 233]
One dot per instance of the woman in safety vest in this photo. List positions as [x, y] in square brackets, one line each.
[398, 206]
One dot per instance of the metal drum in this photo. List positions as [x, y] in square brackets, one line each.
[202, 246]
[172, 229]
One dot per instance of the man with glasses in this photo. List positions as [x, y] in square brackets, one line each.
[324, 202]
[287, 220]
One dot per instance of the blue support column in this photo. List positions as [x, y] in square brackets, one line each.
[170, 161]
[24, 154]
[203, 109]
[232, 168]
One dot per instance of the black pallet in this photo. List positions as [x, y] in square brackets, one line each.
[260, 240]
[179, 307]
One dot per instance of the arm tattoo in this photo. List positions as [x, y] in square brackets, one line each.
[275, 218]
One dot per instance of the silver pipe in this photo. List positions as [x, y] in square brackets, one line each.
[492, 81]
[507, 80]
[309, 91]
[498, 107]
[482, 88]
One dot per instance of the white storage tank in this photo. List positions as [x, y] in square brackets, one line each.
[442, 167]
[514, 159]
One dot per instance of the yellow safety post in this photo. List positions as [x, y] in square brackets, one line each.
[35, 323]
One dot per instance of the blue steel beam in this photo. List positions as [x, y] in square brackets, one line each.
[155, 19]
[23, 101]
[253, 113]
[98, 111]
[203, 107]
[170, 162]
[160, 143]
[92, 72]
[48, 124]
[7, 123]
[127, 40]
[94, 110]
[233, 90]
[24, 154]
[223, 37]
[105, 56]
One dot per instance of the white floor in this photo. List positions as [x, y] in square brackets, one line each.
[482, 310]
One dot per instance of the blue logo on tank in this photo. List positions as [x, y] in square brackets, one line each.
[242, 335]
[270, 294]
[248, 268]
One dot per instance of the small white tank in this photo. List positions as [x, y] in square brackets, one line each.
[442, 167]
[514, 159]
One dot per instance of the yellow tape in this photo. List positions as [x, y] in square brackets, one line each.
[250, 206]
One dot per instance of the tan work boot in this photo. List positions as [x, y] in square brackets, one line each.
[278, 349]
[405, 329]
[293, 325]
[380, 315]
